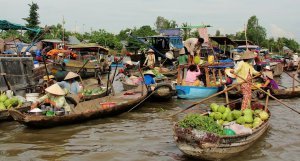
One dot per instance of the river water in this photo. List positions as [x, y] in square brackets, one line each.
[143, 134]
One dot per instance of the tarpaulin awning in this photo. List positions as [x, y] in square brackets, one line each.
[223, 40]
[6, 25]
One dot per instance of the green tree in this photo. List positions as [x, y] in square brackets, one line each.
[106, 39]
[33, 19]
[186, 31]
[255, 32]
[163, 23]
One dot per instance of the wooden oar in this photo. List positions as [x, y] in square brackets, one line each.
[292, 77]
[207, 98]
[268, 94]
[140, 70]
[143, 100]
[82, 66]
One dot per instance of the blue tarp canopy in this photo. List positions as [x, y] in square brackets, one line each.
[6, 25]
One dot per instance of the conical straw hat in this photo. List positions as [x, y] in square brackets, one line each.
[269, 74]
[71, 75]
[229, 74]
[56, 90]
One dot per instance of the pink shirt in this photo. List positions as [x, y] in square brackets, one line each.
[192, 76]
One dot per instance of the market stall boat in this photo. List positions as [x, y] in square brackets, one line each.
[5, 116]
[209, 146]
[87, 110]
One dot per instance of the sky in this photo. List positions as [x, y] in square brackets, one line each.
[279, 17]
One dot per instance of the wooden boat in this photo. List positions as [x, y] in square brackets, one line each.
[127, 86]
[172, 73]
[209, 146]
[192, 92]
[84, 111]
[163, 92]
[285, 93]
[4, 114]
[89, 69]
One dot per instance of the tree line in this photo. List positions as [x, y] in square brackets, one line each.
[255, 33]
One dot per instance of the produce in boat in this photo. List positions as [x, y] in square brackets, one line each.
[7, 103]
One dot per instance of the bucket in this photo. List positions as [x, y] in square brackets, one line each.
[32, 97]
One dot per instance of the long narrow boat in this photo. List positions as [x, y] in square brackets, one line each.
[209, 146]
[4, 114]
[192, 92]
[85, 110]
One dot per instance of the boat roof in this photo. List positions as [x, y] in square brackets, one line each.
[89, 45]
[52, 40]
[223, 40]
[243, 42]
[6, 25]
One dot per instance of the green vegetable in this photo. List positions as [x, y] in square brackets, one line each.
[240, 120]
[264, 115]
[3, 97]
[221, 109]
[200, 122]
[214, 107]
[2, 107]
[218, 116]
[229, 117]
[236, 114]
[248, 111]
[248, 118]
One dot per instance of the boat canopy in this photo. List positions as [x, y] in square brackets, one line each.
[223, 40]
[6, 25]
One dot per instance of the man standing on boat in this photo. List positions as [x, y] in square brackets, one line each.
[192, 46]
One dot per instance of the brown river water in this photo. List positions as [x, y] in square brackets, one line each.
[143, 134]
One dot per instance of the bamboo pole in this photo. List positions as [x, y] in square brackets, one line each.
[226, 96]
[220, 76]
[179, 74]
[293, 82]
[292, 77]
[207, 77]
[214, 76]
[267, 101]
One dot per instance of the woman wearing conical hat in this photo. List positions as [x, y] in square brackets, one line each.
[55, 96]
[70, 84]
[245, 70]
[150, 59]
[269, 81]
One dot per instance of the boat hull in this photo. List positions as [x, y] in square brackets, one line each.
[192, 92]
[218, 147]
[83, 111]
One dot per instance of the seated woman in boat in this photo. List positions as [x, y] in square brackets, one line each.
[55, 96]
[270, 83]
[70, 84]
[192, 76]
[149, 77]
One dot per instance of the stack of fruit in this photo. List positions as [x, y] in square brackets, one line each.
[247, 117]
[96, 91]
[7, 103]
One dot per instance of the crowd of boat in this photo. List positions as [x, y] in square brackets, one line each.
[56, 85]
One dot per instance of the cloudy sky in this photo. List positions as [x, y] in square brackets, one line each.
[279, 17]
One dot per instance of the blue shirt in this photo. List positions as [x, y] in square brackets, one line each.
[149, 79]
[72, 88]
